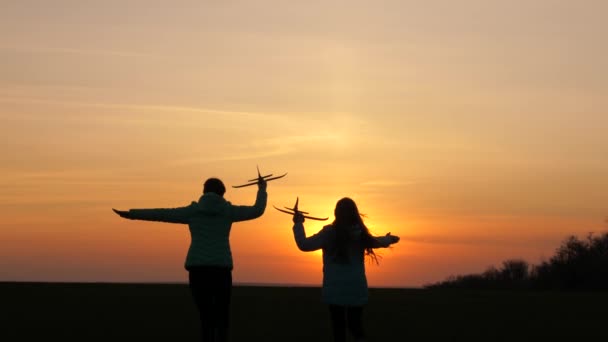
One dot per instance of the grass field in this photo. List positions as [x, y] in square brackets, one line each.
[165, 312]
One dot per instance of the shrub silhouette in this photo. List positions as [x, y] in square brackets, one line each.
[578, 264]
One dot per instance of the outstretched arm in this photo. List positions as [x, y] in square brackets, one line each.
[306, 244]
[243, 212]
[384, 241]
[171, 215]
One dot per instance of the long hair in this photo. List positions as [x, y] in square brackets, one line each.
[347, 215]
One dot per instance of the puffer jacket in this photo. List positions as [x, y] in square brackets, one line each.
[344, 281]
[210, 220]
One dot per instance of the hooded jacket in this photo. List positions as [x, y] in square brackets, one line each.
[210, 220]
[344, 281]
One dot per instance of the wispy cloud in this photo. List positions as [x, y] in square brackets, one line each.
[71, 177]
[291, 132]
[134, 107]
[477, 240]
[388, 183]
[262, 148]
[245, 155]
[76, 51]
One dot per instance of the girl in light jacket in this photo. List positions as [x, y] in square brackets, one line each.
[209, 259]
[345, 243]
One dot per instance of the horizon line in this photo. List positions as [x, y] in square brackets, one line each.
[236, 284]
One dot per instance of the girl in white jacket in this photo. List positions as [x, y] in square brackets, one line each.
[345, 243]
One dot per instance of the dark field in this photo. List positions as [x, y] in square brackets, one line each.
[156, 312]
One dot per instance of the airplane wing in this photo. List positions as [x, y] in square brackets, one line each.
[284, 211]
[302, 212]
[316, 218]
[308, 217]
[276, 177]
[244, 185]
[256, 181]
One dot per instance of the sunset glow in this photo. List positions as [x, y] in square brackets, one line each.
[474, 130]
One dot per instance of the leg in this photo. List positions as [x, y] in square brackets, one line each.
[338, 322]
[223, 294]
[202, 295]
[354, 317]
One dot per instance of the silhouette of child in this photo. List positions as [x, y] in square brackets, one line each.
[345, 243]
[209, 259]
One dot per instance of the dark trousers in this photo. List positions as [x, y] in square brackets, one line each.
[343, 316]
[211, 289]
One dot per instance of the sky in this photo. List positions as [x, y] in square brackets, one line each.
[475, 130]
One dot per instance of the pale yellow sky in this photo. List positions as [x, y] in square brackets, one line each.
[476, 130]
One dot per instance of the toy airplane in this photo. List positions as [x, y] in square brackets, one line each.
[260, 177]
[294, 210]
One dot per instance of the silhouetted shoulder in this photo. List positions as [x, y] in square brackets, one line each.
[327, 231]
[328, 228]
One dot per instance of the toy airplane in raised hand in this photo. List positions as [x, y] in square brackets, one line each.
[295, 210]
[260, 177]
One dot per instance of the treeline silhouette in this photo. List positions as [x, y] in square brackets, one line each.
[578, 264]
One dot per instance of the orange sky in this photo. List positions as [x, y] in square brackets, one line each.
[475, 130]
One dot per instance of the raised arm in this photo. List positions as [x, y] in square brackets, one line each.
[243, 212]
[170, 215]
[307, 244]
[384, 241]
